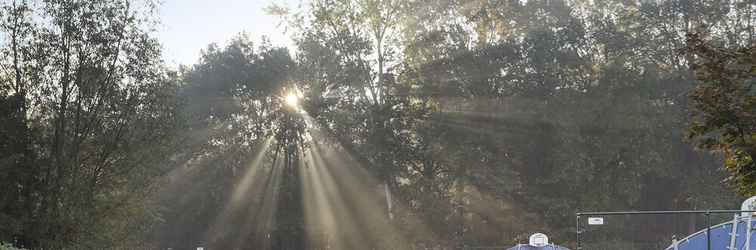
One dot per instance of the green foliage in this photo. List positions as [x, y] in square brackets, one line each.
[471, 112]
[549, 107]
[6, 246]
[486, 120]
[725, 107]
[89, 114]
[236, 110]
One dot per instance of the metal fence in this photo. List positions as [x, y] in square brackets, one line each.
[664, 230]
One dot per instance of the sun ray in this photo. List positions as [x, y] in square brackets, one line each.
[262, 218]
[349, 235]
[250, 196]
[345, 199]
[344, 205]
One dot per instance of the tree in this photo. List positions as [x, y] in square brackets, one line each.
[574, 96]
[87, 79]
[724, 103]
[237, 184]
[469, 112]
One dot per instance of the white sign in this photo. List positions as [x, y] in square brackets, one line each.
[200, 248]
[595, 220]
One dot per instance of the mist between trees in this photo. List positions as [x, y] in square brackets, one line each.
[395, 124]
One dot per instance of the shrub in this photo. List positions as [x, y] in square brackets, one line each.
[8, 246]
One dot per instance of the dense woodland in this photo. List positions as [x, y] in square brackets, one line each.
[393, 124]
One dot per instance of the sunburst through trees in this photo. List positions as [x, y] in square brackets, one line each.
[392, 125]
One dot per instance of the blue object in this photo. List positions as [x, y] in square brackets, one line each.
[720, 237]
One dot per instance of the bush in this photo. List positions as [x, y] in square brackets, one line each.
[8, 246]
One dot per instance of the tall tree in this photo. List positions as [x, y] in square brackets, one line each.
[88, 79]
[243, 153]
[725, 107]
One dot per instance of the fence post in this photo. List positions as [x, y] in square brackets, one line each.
[708, 230]
[577, 230]
[675, 243]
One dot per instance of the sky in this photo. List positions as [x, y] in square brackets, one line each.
[188, 26]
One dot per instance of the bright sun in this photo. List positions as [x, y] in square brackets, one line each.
[292, 100]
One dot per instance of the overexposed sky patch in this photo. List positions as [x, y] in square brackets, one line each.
[188, 26]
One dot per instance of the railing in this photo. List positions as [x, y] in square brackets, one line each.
[649, 230]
